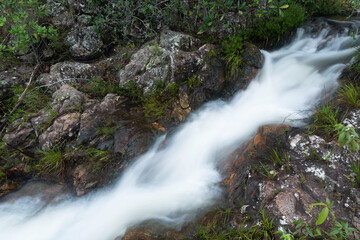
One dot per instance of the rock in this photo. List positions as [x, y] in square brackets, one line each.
[19, 136]
[245, 155]
[85, 43]
[64, 128]
[68, 99]
[131, 135]
[39, 190]
[176, 59]
[146, 66]
[83, 180]
[253, 61]
[11, 78]
[96, 116]
[79, 6]
[234, 20]
[177, 41]
[69, 72]
[84, 20]
[59, 14]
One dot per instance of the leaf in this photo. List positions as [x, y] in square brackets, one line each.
[284, 6]
[335, 232]
[322, 216]
[317, 204]
[341, 138]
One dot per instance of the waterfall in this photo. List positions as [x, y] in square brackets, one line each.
[172, 181]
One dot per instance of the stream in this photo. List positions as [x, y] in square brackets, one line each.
[173, 181]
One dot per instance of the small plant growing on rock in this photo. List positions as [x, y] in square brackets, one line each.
[347, 136]
[355, 167]
[325, 121]
[52, 162]
[350, 94]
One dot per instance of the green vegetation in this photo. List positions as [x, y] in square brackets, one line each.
[219, 228]
[52, 162]
[325, 7]
[325, 121]
[350, 94]
[355, 167]
[22, 20]
[348, 137]
[232, 50]
[281, 22]
[35, 100]
[97, 160]
[270, 174]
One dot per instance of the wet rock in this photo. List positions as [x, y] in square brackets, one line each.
[83, 180]
[45, 191]
[85, 43]
[254, 60]
[64, 128]
[245, 155]
[59, 14]
[69, 72]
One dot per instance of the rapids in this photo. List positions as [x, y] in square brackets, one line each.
[172, 181]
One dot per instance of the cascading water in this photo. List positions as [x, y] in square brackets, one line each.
[167, 183]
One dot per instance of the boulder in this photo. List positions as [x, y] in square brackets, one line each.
[11, 78]
[253, 61]
[19, 136]
[64, 128]
[85, 43]
[176, 59]
[83, 180]
[59, 14]
[69, 72]
[68, 99]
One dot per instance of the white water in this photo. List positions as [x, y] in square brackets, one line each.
[172, 182]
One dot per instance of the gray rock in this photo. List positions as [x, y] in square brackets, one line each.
[176, 59]
[69, 72]
[83, 180]
[64, 128]
[20, 136]
[59, 14]
[178, 41]
[11, 78]
[85, 43]
[68, 99]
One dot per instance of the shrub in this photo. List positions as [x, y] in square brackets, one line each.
[21, 20]
[278, 24]
[324, 7]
